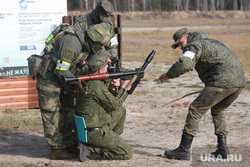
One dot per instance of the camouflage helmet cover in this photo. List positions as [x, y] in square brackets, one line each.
[99, 33]
[105, 9]
[98, 61]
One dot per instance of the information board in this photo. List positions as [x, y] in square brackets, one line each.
[24, 26]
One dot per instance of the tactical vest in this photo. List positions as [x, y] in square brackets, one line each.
[47, 62]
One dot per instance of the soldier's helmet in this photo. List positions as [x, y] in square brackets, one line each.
[98, 61]
[99, 33]
[104, 9]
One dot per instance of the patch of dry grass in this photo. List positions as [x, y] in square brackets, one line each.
[138, 44]
[168, 22]
[237, 40]
[21, 120]
[184, 18]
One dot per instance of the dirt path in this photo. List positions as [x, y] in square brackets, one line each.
[150, 129]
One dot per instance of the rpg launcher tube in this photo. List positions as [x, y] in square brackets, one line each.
[148, 60]
[101, 76]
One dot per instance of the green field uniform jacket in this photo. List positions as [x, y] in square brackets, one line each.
[96, 112]
[84, 22]
[215, 64]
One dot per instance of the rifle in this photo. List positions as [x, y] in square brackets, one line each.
[139, 72]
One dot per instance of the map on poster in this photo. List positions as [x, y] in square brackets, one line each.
[25, 24]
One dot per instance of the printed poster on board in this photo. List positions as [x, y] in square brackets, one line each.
[25, 24]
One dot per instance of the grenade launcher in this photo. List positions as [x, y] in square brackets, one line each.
[139, 72]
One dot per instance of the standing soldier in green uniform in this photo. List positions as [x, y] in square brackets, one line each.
[56, 102]
[102, 13]
[223, 77]
[101, 107]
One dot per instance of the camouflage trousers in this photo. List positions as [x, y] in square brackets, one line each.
[216, 99]
[57, 109]
[107, 138]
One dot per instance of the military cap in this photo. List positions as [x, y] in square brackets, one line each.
[98, 61]
[177, 36]
[105, 9]
[99, 33]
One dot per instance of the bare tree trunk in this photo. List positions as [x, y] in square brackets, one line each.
[144, 5]
[115, 5]
[133, 5]
[218, 5]
[81, 4]
[179, 5]
[241, 5]
[94, 4]
[198, 5]
[205, 5]
[86, 4]
[126, 5]
[212, 5]
[129, 5]
[235, 7]
[187, 5]
[247, 5]
[222, 4]
[150, 5]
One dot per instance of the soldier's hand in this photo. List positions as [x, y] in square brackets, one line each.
[163, 78]
[115, 83]
[125, 84]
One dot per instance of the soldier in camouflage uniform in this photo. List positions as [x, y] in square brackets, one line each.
[102, 13]
[56, 102]
[223, 77]
[103, 116]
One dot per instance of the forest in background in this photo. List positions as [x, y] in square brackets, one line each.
[164, 5]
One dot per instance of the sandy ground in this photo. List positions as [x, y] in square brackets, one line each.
[150, 129]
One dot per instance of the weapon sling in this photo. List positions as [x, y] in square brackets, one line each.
[181, 98]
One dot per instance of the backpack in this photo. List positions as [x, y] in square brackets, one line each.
[41, 64]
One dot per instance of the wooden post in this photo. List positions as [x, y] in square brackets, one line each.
[66, 19]
[119, 32]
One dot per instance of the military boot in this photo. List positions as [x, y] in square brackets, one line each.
[182, 152]
[222, 150]
[85, 152]
[60, 154]
[89, 153]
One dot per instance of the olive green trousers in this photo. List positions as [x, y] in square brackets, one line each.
[216, 99]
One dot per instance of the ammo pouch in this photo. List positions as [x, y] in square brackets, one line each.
[44, 65]
[48, 64]
[34, 63]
